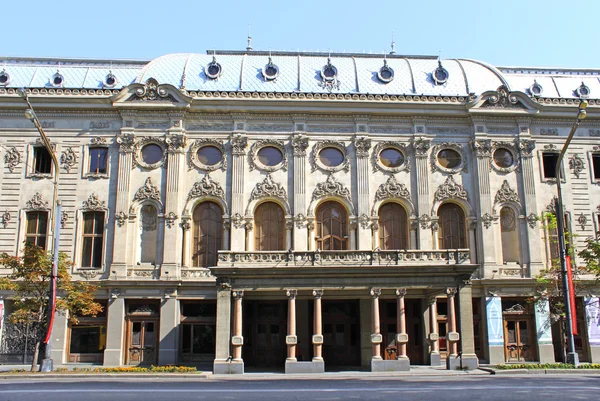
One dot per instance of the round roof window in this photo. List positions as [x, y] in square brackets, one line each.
[57, 80]
[583, 91]
[152, 153]
[110, 80]
[331, 157]
[536, 89]
[270, 71]
[391, 157]
[209, 155]
[448, 158]
[328, 72]
[4, 78]
[440, 75]
[213, 70]
[270, 156]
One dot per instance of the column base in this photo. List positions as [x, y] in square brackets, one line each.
[546, 353]
[464, 362]
[292, 367]
[394, 365]
[435, 359]
[118, 271]
[112, 357]
[594, 354]
[496, 355]
[228, 367]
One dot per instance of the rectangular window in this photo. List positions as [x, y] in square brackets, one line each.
[88, 339]
[93, 239]
[42, 162]
[549, 161]
[37, 228]
[98, 160]
[596, 165]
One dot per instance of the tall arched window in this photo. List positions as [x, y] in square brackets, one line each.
[393, 230]
[148, 225]
[452, 227]
[332, 225]
[208, 228]
[269, 227]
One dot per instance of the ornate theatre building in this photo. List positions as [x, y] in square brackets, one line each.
[301, 212]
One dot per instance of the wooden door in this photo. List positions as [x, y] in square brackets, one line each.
[518, 340]
[142, 346]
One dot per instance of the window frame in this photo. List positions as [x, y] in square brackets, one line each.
[45, 235]
[345, 234]
[403, 233]
[280, 239]
[595, 179]
[543, 177]
[463, 232]
[196, 237]
[94, 236]
[95, 143]
[32, 151]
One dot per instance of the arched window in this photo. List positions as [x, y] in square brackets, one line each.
[393, 230]
[269, 227]
[148, 237]
[332, 234]
[452, 227]
[208, 228]
[510, 235]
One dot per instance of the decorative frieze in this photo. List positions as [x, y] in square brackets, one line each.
[450, 190]
[392, 189]
[549, 131]
[98, 141]
[12, 158]
[268, 188]
[147, 191]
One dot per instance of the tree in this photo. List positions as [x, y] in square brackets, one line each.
[29, 282]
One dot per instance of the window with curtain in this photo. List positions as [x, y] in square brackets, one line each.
[208, 229]
[269, 229]
[332, 223]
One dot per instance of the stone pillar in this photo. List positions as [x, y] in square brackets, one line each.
[375, 324]
[115, 330]
[300, 144]
[434, 355]
[237, 340]
[173, 239]
[186, 257]
[467, 358]
[402, 336]
[353, 229]
[126, 143]
[592, 323]
[421, 146]
[223, 363]
[292, 339]
[226, 229]
[495, 330]
[289, 227]
[250, 245]
[238, 234]
[452, 334]
[375, 230]
[317, 338]
[169, 329]
[59, 337]
[544, 330]
[362, 146]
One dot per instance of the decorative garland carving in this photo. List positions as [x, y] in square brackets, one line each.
[364, 221]
[206, 187]
[6, 217]
[170, 219]
[424, 220]
[582, 220]
[37, 203]
[120, 218]
[401, 147]
[200, 143]
[362, 145]
[64, 217]
[238, 220]
[94, 203]
[391, 189]
[482, 147]
[331, 187]
[137, 153]
[98, 141]
[300, 220]
[256, 146]
[300, 144]
[576, 164]
[316, 163]
[487, 220]
[147, 191]
[421, 146]
[68, 159]
[151, 91]
[502, 99]
[435, 166]
[12, 158]
[450, 190]
[506, 195]
[532, 220]
[238, 144]
[268, 188]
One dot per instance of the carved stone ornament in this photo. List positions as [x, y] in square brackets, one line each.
[551, 207]
[255, 162]
[170, 219]
[200, 143]
[502, 99]
[487, 220]
[206, 187]
[12, 158]
[237, 220]
[435, 224]
[576, 164]
[582, 220]
[421, 146]
[526, 146]
[300, 220]
[98, 141]
[64, 217]
[6, 217]
[238, 144]
[316, 162]
[512, 149]
[37, 203]
[482, 147]
[424, 220]
[151, 91]
[268, 188]
[436, 166]
[532, 220]
[594, 132]
[176, 143]
[126, 143]
[93, 203]
[399, 146]
[506, 195]
[450, 190]
[147, 191]
[138, 160]
[300, 144]
[549, 131]
[120, 218]
[331, 187]
[362, 145]
[364, 221]
[185, 223]
[68, 159]
[391, 189]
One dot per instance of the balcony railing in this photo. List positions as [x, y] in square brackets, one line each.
[344, 258]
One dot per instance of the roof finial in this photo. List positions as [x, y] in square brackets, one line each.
[384, 59]
[249, 48]
[214, 57]
[393, 44]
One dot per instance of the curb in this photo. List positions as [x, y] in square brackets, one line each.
[504, 372]
[103, 375]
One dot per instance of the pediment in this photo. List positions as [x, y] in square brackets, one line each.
[151, 93]
[503, 100]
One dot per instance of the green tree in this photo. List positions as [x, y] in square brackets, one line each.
[29, 283]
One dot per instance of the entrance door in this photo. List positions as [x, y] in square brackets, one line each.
[143, 340]
[265, 329]
[517, 343]
[341, 333]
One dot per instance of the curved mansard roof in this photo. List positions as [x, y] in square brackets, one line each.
[302, 72]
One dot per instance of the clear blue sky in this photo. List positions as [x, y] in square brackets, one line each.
[504, 33]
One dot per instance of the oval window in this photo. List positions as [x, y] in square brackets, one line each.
[270, 156]
[152, 153]
[391, 157]
[448, 158]
[331, 157]
[503, 158]
[209, 155]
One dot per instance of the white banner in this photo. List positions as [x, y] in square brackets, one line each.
[1, 318]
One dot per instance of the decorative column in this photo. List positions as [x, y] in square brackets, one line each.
[237, 340]
[289, 227]
[353, 228]
[592, 320]
[452, 336]
[249, 226]
[362, 146]
[402, 336]
[170, 316]
[300, 144]
[291, 340]
[434, 354]
[317, 338]
[375, 233]
[544, 328]
[495, 331]
[376, 338]
[226, 228]
[113, 353]
[421, 146]
[126, 143]
[185, 254]
[223, 363]
[468, 359]
[173, 239]
[239, 144]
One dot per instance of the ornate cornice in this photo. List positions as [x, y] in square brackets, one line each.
[151, 91]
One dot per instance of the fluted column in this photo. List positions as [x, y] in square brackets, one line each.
[185, 254]
[421, 147]
[375, 324]
[237, 339]
[291, 339]
[300, 144]
[434, 354]
[402, 339]
[362, 146]
[318, 328]
[239, 144]
[451, 344]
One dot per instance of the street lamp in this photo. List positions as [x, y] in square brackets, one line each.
[47, 364]
[572, 356]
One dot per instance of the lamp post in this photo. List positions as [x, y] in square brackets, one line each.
[572, 356]
[47, 363]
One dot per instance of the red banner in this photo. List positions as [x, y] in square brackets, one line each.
[572, 296]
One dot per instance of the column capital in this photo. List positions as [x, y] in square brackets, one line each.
[431, 300]
[400, 292]
[375, 292]
[291, 293]
[318, 293]
[451, 291]
[238, 294]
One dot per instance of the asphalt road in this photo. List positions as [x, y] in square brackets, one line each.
[484, 388]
